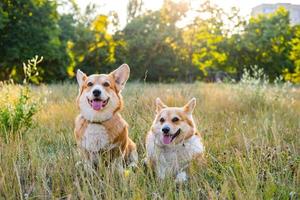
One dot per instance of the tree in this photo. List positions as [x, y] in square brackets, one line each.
[134, 9]
[293, 75]
[265, 43]
[206, 37]
[3, 16]
[154, 45]
[30, 28]
[93, 48]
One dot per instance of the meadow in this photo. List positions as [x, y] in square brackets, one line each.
[251, 134]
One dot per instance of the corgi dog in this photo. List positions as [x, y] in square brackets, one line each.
[173, 141]
[99, 127]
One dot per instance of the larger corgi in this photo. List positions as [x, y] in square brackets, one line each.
[173, 141]
[99, 127]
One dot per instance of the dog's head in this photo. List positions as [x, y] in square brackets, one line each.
[100, 94]
[172, 125]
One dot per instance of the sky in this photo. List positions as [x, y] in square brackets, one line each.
[120, 6]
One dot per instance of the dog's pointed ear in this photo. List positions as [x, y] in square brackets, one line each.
[159, 105]
[81, 77]
[190, 106]
[120, 76]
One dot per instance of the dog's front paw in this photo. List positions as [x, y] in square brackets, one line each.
[145, 163]
[181, 177]
[132, 165]
[85, 165]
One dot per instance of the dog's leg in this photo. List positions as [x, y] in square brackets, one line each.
[133, 159]
[118, 164]
[161, 171]
[181, 177]
[131, 154]
[89, 160]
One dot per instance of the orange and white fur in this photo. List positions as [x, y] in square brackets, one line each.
[99, 127]
[173, 141]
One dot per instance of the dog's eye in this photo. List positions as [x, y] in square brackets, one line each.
[162, 120]
[175, 119]
[106, 84]
[90, 84]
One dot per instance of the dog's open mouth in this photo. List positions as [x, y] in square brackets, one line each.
[98, 104]
[168, 138]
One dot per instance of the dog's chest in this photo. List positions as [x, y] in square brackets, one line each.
[177, 157]
[96, 138]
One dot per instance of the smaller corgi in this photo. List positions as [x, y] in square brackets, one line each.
[173, 141]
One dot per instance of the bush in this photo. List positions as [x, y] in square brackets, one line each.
[16, 118]
[253, 87]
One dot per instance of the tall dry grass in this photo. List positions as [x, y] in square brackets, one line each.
[252, 140]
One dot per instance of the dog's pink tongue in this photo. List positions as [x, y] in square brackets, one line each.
[97, 105]
[167, 139]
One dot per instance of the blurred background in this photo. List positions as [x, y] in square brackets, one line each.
[161, 40]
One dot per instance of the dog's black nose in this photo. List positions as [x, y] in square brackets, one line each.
[165, 129]
[96, 93]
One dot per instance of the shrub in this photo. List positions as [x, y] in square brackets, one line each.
[253, 87]
[16, 118]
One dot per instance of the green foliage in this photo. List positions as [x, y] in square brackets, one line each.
[89, 44]
[266, 40]
[31, 29]
[99, 54]
[3, 16]
[207, 39]
[294, 74]
[154, 43]
[17, 118]
[152, 52]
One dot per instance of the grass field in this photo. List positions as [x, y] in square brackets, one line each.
[251, 135]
